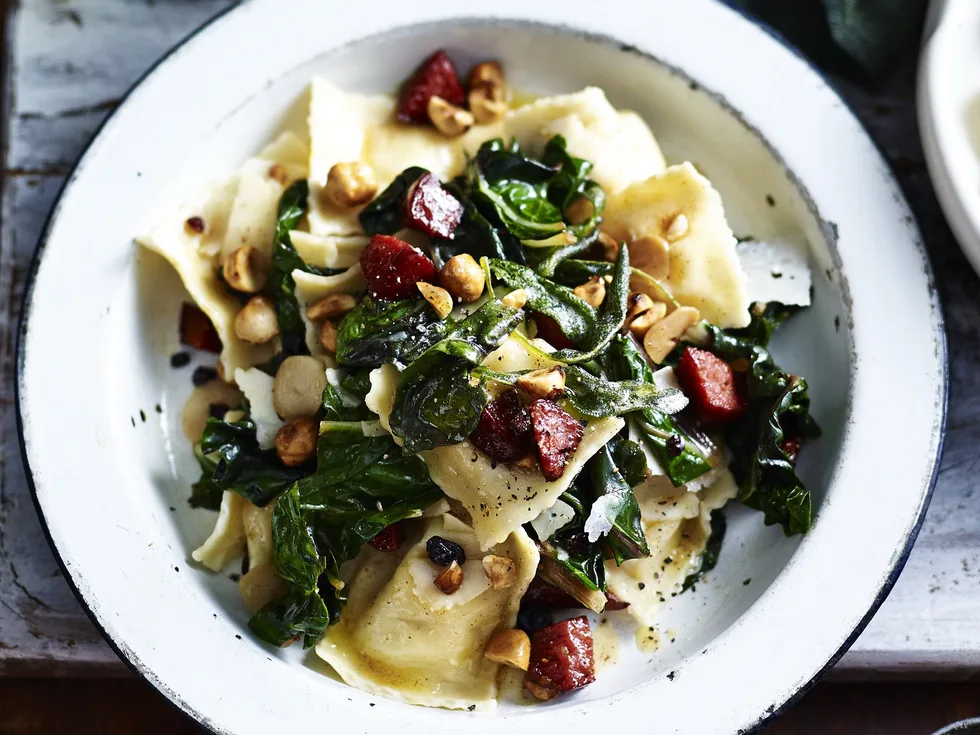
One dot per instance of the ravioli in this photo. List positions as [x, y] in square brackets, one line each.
[704, 268]
[499, 498]
[240, 210]
[400, 637]
[620, 144]
[676, 523]
[227, 541]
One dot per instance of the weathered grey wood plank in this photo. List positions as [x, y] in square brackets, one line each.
[73, 59]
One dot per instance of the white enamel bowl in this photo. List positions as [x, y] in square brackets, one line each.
[101, 322]
[949, 115]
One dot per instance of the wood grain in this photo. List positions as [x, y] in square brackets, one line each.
[70, 61]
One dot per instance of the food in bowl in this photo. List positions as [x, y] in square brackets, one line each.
[482, 368]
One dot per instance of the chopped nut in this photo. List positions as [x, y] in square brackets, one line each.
[636, 304]
[580, 210]
[463, 278]
[640, 324]
[539, 692]
[610, 248]
[546, 383]
[592, 292]
[677, 228]
[501, 571]
[246, 270]
[448, 119]
[296, 441]
[528, 463]
[450, 580]
[487, 72]
[350, 184]
[662, 337]
[487, 103]
[257, 321]
[277, 172]
[651, 254]
[515, 299]
[438, 297]
[298, 387]
[331, 307]
[511, 647]
[328, 335]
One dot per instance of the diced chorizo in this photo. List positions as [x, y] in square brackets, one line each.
[432, 209]
[504, 431]
[715, 392]
[561, 659]
[557, 435]
[436, 76]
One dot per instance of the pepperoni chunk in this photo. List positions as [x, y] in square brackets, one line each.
[432, 209]
[550, 331]
[711, 384]
[504, 431]
[390, 538]
[435, 77]
[557, 435]
[392, 267]
[561, 659]
[196, 330]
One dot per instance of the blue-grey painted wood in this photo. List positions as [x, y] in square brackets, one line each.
[72, 61]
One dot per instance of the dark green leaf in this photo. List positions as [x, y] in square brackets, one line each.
[379, 332]
[624, 360]
[205, 493]
[281, 287]
[709, 558]
[766, 318]
[571, 182]
[546, 260]
[384, 215]
[240, 465]
[575, 317]
[435, 404]
[630, 459]
[339, 404]
[358, 382]
[614, 508]
[293, 617]
[612, 314]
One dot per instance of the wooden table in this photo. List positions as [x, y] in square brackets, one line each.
[67, 64]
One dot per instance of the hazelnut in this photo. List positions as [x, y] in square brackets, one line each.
[331, 307]
[257, 321]
[246, 270]
[636, 303]
[651, 254]
[277, 172]
[448, 119]
[540, 692]
[450, 579]
[296, 441]
[438, 298]
[580, 211]
[546, 383]
[677, 228]
[641, 323]
[609, 247]
[663, 336]
[515, 299]
[298, 387]
[350, 184]
[489, 73]
[328, 335]
[511, 647]
[592, 292]
[487, 103]
[501, 571]
[463, 278]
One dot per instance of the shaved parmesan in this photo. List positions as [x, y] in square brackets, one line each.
[553, 520]
[704, 268]
[776, 271]
[257, 387]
